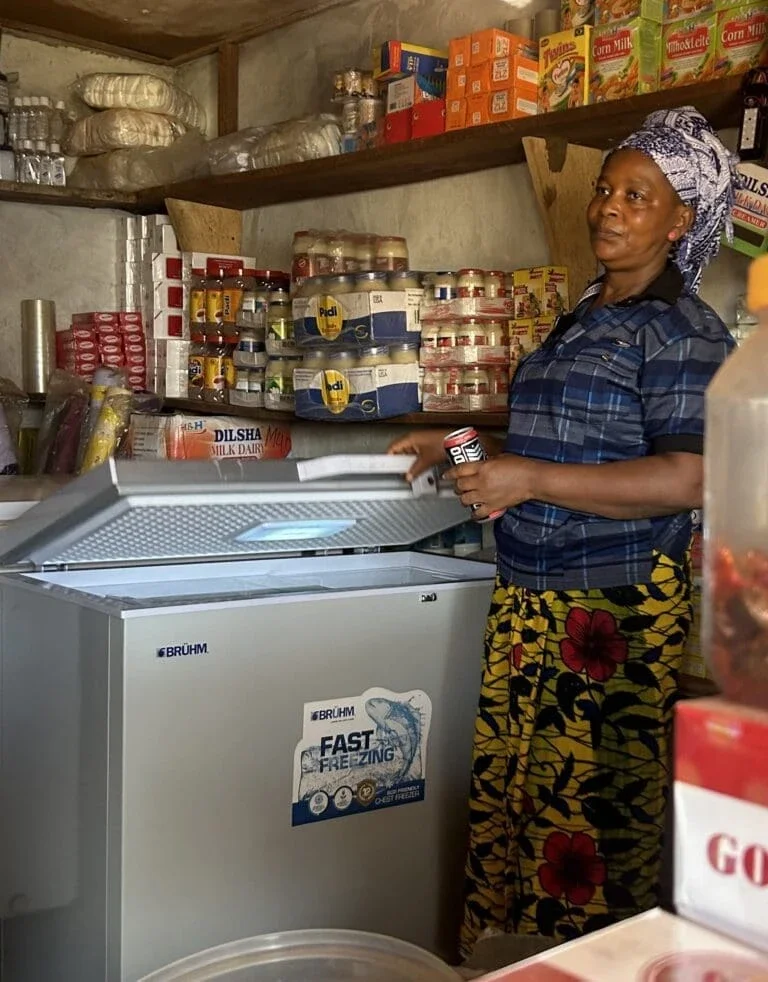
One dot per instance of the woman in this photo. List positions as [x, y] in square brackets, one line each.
[599, 473]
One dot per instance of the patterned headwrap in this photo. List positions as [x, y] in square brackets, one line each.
[702, 171]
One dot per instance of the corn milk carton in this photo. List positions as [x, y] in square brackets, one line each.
[688, 51]
[626, 60]
[742, 38]
[564, 69]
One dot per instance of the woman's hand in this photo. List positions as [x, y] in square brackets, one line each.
[496, 484]
[428, 447]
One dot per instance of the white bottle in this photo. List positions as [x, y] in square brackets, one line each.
[58, 123]
[46, 163]
[14, 122]
[46, 112]
[24, 117]
[58, 171]
[34, 118]
[29, 164]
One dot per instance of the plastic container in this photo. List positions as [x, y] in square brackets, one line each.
[310, 956]
[735, 621]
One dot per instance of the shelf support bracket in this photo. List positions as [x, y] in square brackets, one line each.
[229, 87]
[563, 177]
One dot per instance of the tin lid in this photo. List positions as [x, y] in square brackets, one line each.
[132, 512]
[471, 272]
[371, 277]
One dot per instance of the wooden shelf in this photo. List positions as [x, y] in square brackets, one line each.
[450, 154]
[485, 421]
[34, 194]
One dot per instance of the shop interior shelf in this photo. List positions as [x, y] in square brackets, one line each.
[487, 421]
[460, 152]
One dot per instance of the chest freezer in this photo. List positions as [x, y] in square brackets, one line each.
[222, 714]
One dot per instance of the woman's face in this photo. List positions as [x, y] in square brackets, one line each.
[635, 216]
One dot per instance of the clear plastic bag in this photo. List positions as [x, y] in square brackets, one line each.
[273, 146]
[12, 403]
[132, 170]
[145, 92]
[64, 421]
[121, 129]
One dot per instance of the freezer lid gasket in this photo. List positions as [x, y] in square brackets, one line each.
[135, 512]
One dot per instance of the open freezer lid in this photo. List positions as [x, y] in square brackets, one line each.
[132, 512]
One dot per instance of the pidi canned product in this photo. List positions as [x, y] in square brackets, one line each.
[471, 283]
[471, 332]
[196, 364]
[496, 333]
[404, 354]
[404, 280]
[373, 357]
[337, 286]
[365, 252]
[464, 447]
[315, 359]
[340, 361]
[370, 282]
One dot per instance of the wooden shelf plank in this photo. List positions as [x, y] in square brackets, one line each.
[450, 154]
[35, 194]
[486, 421]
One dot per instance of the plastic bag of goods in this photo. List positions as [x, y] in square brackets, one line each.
[64, 421]
[132, 170]
[290, 142]
[121, 129]
[110, 428]
[148, 93]
[12, 403]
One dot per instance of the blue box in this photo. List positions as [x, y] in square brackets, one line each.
[357, 394]
[396, 59]
[384, 317]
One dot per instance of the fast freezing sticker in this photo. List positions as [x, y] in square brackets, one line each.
[361, 754]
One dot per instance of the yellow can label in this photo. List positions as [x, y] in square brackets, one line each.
[215, 379]
[330, 317]
[232, 301]
[335, 391]
[214, 306]
[196, 371]
[197, 307]
[230, 373]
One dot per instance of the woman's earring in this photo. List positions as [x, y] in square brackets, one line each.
[672, 236]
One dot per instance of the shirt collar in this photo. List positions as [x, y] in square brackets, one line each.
[667, 287]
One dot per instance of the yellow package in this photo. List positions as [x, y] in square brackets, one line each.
[626, 60]
[617, 11]
[742, 39]
[542, 327]
[564, 68]
[529, 293]
[688, 51]
[520, 340]
[555, 291]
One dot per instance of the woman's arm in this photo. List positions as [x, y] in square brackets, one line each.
[663, 484]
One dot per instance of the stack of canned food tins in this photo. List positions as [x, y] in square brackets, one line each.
[336, 253]
[362, 110]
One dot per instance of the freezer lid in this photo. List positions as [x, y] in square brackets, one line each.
[138, 512]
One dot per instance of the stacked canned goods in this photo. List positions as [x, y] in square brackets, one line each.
[357, 94]
[447, 285]
[339, 253]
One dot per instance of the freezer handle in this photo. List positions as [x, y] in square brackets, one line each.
[349, 465]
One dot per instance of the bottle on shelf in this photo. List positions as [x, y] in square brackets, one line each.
[14, 123]
[58, 170]
[33, 124]
[46, 163]
[58, 123]
[24, 118]
[215, 386]
[27, 164]
[196, 363]
[44, 119]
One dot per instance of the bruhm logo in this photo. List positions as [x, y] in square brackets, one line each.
[182, 650]
[334, 713]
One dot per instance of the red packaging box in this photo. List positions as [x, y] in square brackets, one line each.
[129, 317]
[398, 127]
[721, 818]
[82, 333]
[110, 338]
[134, 349]
[96, 317]
[79, 344]
[114, 361]
[111, 349]
[428, 119]
[133, 338]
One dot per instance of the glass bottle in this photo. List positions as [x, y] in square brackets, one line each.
[214, 296]
[196, 363]
[215, 384]
[197, 298]
[230, 373]
[232, 297]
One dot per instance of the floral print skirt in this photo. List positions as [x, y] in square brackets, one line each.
[571, 766]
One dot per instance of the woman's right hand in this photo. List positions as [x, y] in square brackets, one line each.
[428, 447]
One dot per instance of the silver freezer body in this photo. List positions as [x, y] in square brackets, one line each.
[149, 799]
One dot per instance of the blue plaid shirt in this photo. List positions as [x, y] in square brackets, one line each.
[615, 383]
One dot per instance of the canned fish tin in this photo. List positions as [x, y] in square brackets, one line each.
[371, 111]
[353, 82]
[370, 86]
[464, 447]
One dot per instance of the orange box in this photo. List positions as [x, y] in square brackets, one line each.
[457, 83]
[455, 114]
[496, 107]
[511, 72]
[459, 52]
[493, 43]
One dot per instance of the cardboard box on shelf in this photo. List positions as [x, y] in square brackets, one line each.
[168, 324]
[458, 79]
[512, 72]
[357, 394]
[529, 293]
[396, 59]
[750, 211]
[576, 13]
[398, 127]
[386, 316]
[455, 114]
[166, 267]
[676, 10]
[626, 60]
[189, 437]
[617, 11]
[493, 43]
[742, 38]
[555, 295]
[721, 817]
[405, 93]
[428, 119]
[459, 52]
[565, 61]
[688, 51]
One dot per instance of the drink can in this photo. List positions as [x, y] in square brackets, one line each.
[464, 447]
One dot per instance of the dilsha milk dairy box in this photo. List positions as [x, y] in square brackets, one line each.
[564, 69]
[721, 818]
[688, 51]
[626, 60]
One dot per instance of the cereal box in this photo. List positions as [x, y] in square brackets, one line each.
[564, 69]
[626, 60]
[615, 11]
[742, 38]
[529, 293]
[688, 51]
[574, 13]
[555, 292]
[684, 9]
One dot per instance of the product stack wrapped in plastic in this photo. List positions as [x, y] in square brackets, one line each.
[12, 403]
[135, 114]
[109, 339]
[289, 142]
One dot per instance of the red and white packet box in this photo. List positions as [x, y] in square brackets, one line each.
[653, 947]
[721, 818]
